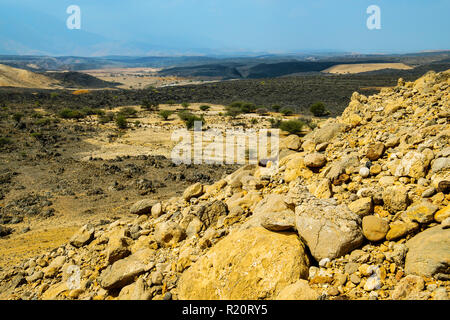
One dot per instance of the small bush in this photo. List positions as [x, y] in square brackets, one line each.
[287, 111]
[43, 122]
[68, 113]
[275, 123]
[233, 112]
[185, 105]
[121, 122]
[107, 117]
[276, 108]
[127, 112]
[92, 111]
[262, 111]
[189, 119]
[292, 126]
[318, 109]
[17, 116]
[4, 141]
[150, 105]
[205, 108]
[165, 114]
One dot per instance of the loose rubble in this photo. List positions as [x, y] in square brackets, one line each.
[358, 209]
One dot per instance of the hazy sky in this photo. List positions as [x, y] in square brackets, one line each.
[276, 26]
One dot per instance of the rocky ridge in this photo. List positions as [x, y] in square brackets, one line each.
[357, 209]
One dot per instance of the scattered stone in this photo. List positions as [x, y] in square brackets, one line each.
[194, 191]
[364, 172]
[362, 207]
[169, 233]
[429, 253]
[315, 160]
[83, 236]
[299, 290]
[409, 288]
[329, 231]
[143, 207]
[422, 212]
[375, 151]
[374, 228]
[122, 272]
[395, 199]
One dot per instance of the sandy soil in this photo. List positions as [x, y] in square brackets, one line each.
[13, 77]
[365, 67]
[138, 78]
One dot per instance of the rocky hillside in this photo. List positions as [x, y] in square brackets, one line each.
[357, 209]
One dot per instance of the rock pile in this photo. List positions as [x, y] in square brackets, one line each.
[358, 209]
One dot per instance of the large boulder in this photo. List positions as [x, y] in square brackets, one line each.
[83, 236]
[194, 191]
[169, 233]
[210, 213]
[247, 264]
[123, 272]
[429, 253]
[329, 231]
[143, 206]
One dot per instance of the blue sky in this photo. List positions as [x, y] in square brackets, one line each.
[277, 26]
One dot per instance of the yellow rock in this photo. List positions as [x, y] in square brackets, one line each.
[55, 290]
[442, 214]
[247, 264]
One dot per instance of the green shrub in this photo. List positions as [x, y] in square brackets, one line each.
[185, 105]
[127, 112]
[275, 123]
[107, 117]
[121, 122]
[205, 108]
[189, 118]
[68, 113]
[150, 105]
[43, 122]
[292, 126]
[17, 116]
[92, 111]
[233, 112]
[318, 109]
[287, 111]
[165, 114]
[275, 108]
[4, 141]
[248, 108]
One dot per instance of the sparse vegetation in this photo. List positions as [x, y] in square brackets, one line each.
[292, 126]
[105, 118]
[127, 112]
[276, 108]
[189, 118]
[68, 113]
[4, 141]
[185, 105]
[121, 121]
[318, 109]
[165, 114]
[150, 105]
[205, 107]
[17, 116]
[287, 111]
